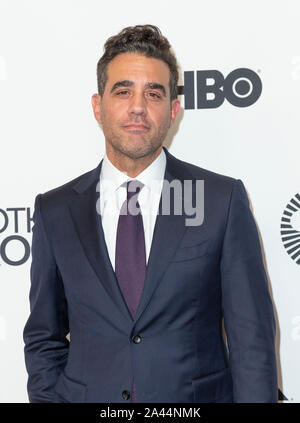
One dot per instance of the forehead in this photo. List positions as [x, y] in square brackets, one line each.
[137, 68]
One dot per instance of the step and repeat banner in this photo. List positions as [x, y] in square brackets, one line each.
[240, 101]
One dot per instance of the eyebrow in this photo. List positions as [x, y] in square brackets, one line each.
[124, 83]
[156, 86]
[151, 85]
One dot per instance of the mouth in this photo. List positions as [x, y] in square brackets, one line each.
[136, 128]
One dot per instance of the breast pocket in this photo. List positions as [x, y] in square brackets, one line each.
[192, 252]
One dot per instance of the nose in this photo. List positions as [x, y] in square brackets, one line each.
[137, 105]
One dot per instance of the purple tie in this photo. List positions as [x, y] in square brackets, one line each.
[130, 266]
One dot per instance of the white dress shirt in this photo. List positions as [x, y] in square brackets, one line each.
[113, 195]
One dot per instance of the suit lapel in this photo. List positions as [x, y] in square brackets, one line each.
[168, 232]
[90, 231]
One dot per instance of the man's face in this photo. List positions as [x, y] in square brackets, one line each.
[135, 110]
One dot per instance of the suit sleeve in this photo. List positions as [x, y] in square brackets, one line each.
[46, 346]
[247, 307]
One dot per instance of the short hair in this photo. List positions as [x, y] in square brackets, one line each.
[146, 40]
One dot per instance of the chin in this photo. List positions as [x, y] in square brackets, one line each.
[136, 152]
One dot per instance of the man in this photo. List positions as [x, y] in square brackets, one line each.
[143, 293]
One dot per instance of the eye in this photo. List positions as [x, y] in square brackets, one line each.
[122, 93]
[154, 95]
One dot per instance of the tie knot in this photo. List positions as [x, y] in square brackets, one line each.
[133, 187]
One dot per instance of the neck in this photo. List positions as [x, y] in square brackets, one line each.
[132, 167]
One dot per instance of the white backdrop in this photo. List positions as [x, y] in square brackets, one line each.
[48, 56]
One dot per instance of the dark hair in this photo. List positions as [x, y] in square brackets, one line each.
[143, 39]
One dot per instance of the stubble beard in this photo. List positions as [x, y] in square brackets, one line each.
[147, 146]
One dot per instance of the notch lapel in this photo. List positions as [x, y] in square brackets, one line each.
[89, 228]
[168, 232]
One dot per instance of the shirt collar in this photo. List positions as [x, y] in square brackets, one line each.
[112, 178]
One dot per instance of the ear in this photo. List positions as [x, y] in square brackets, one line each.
[175, 106]
[96, 104]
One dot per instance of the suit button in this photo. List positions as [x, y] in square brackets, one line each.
[126, 395]
[136, 339]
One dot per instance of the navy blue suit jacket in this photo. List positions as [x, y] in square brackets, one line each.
[196, 276]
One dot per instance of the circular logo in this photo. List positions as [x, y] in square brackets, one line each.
[289, 234]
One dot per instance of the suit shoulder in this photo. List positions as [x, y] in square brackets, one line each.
[209, 176]
[218, 187]
[61, 194]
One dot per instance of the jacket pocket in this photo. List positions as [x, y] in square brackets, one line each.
[191, 252]
[216, 387]
[69, 390]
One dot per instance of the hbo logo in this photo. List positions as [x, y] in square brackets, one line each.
[242, 87]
